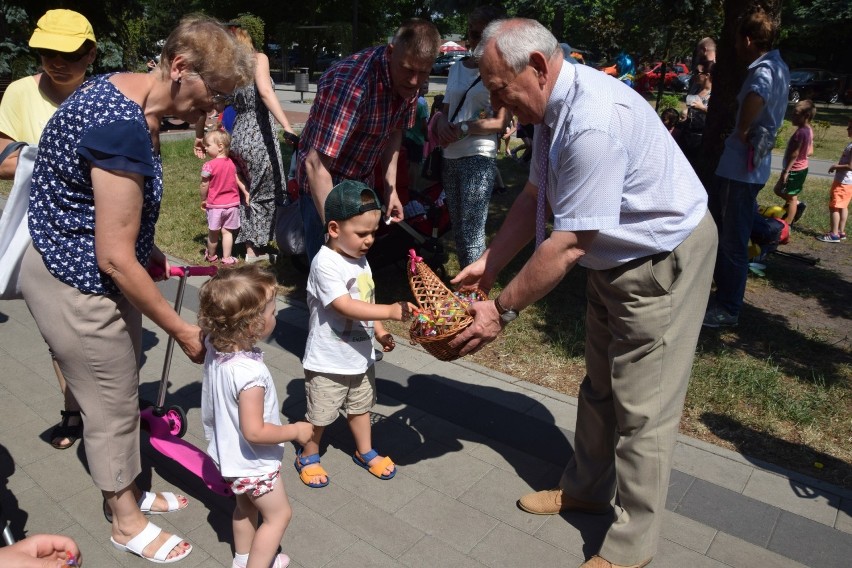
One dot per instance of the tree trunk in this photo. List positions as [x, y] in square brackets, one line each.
[728, 77]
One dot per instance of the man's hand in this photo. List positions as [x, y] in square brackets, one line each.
[473, 277]
[198, 148]
[485, 328]
[394, 208]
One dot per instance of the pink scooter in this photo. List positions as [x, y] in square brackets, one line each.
[167, 425]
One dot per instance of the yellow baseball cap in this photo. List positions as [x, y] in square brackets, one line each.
[62, 30]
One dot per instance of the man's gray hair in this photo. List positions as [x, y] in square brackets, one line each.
[516, 39]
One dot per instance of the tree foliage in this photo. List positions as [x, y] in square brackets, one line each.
[253, 26]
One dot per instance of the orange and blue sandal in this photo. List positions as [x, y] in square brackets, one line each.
[378, 468]
[308, 467]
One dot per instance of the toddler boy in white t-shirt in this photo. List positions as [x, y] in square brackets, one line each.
[344, 318]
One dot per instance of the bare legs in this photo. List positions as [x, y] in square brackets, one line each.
[261, 543]
[70, 405]
[227, 242]
[361, 429]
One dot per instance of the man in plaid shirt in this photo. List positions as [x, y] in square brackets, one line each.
[364, 104]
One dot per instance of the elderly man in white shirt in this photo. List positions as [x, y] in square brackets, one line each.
[627, 206]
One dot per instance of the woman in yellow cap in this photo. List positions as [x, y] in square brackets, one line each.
[65, 43]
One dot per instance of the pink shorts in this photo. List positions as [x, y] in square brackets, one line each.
[840, 195]
[228, 218]
[254, 486]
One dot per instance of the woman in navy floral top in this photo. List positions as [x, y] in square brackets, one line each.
[95, 199]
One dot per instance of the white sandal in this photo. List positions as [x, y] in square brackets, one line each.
[280, 561]
[147, 500]
[150, 533]
[148, 497]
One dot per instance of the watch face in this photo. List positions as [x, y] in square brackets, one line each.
[508, 315]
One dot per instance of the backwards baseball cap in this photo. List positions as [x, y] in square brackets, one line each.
[345, 201]
[61, 30]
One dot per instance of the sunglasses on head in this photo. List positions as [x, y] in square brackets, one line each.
[70, 57]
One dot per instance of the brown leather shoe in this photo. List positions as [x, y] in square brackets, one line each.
[600, 562]
[554, 501]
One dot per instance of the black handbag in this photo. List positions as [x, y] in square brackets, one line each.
[432, 164]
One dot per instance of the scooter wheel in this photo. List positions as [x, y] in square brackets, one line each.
[177, 421]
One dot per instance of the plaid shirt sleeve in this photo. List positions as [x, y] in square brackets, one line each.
[337, 111]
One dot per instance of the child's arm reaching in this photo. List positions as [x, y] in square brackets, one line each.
[354, 309]
[256, 431]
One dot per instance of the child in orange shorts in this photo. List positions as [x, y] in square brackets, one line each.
[841, 193]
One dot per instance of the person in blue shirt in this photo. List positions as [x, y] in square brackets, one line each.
[744, 166]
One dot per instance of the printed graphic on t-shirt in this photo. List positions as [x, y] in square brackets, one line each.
[353, 331]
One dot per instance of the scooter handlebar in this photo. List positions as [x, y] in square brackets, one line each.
[156, 271]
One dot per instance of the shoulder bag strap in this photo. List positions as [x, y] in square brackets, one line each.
[461, 102]
[11, 149]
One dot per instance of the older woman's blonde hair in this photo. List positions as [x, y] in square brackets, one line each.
[231, 306]
[210, 50]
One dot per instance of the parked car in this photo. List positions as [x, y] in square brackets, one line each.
[649, 80]
[815, 84]
[445, 61]
[326, 60]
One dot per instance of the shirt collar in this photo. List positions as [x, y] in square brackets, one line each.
[559, 96]
[766, 56]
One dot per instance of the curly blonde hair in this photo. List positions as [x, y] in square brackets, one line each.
[231, 306]
[205, 44]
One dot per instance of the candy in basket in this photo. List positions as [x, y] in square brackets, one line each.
[442, 313]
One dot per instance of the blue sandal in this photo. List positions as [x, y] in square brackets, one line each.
[308, 467]
[378, 468]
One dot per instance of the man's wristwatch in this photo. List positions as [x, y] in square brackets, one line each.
[506, 314]
[465, 128]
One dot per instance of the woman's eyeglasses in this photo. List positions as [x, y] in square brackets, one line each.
[70, 57]
[216, 97]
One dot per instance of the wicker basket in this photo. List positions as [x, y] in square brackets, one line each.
[448, 311]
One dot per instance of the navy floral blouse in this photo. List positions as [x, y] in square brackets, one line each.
[96, 126]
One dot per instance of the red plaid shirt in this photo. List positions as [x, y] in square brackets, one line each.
[352, 117]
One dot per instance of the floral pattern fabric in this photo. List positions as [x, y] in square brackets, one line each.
[255, 141]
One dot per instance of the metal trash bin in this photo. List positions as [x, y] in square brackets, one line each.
[301, 80]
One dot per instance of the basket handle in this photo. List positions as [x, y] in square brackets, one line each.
[414, 260]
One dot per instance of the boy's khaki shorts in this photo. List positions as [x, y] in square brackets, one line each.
[328, 393]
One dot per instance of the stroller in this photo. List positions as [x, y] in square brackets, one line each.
[427, 219]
